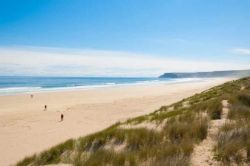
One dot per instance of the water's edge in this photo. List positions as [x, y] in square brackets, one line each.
[12, 85]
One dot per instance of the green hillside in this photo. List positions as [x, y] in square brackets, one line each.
[168, 136]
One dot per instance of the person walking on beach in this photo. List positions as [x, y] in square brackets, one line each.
[45, 107]
[62, 117]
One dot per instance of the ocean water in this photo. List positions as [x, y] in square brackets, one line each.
[16, 84]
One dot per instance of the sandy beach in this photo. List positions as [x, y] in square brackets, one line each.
[26, 128]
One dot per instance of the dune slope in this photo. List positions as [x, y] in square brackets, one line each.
[168, 136]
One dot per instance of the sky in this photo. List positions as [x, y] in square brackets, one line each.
[122, 37]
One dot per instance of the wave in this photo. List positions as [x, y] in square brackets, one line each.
[16, 90]
[21, 90]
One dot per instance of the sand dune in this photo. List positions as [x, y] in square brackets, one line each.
[26, 128]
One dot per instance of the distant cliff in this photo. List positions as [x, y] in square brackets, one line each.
[229, 73]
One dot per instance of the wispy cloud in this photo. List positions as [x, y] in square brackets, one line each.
[242, 51]
[182, 41]
[69, 62]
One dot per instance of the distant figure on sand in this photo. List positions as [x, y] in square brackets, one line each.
[61, 117]
[45, 107]
[31, 96]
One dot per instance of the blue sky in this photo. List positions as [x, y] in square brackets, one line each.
[179, 35]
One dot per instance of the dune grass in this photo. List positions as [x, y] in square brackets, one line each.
[233, 144]
[233, 140]
[182, 128]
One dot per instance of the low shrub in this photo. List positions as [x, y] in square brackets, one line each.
[214, 109]
[244, 98]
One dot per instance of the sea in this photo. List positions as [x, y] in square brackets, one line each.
[10, 85]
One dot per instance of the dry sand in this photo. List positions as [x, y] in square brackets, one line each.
[26, 128]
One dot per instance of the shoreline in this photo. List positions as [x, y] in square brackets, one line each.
[26, 129]
[6, 91]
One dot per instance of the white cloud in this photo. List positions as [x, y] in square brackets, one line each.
[243, 51]
[69, 62]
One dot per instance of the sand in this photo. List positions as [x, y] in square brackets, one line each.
[26, 128]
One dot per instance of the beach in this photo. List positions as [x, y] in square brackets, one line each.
[26, 127]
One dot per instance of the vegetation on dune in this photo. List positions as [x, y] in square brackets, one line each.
[233, 144]
[182, 125]
[234, 137]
